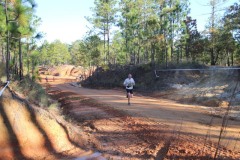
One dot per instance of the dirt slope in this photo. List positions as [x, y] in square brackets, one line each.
[147, 119]
[29, 132]
[67, 71]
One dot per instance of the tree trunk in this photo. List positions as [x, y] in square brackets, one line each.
[171, 51]
[166, 57]
[228, 59]
[187, 51]
[212, 33]
[193, 55]
[126, 42]
[3, 55]
[232, 58]
[8, 56]
[108, 40]
[212, 57]
[178, 55]
[166, 49]
[28, 60]
[138, 59]
[33, 68]
[163, 55]
[152, 53]
[134, 57]
[172, 32]
[15, 64]
[104, 44]
[8, 43]
[146, 57]
[181, 54]
[20, 60]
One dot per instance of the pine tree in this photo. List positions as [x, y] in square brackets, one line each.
[17, 14]
[104, 17]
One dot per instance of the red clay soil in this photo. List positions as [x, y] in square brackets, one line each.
[148, 129]
[30, 132]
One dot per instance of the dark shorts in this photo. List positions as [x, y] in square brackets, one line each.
[129, 91]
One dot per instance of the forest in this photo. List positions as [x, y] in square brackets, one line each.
[122, 32]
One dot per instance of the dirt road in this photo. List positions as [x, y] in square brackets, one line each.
[191, 122]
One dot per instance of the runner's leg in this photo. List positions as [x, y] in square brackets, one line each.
[129, 96]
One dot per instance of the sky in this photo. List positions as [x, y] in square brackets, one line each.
[65, 19]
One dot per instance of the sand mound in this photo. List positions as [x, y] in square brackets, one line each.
[68, 71]
[64, 70]
[76, 71]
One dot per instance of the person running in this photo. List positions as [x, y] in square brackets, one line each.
[129, 83]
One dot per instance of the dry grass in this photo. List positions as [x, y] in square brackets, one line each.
[32, 91]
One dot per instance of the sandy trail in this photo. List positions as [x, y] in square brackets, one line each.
[188, 119]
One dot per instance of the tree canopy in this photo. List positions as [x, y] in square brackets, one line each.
[123, 32]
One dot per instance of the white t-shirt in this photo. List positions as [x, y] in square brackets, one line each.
[129, 83]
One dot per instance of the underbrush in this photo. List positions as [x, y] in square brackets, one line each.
[183, 65]
[144, 75]
[29, 89]
[32, 91]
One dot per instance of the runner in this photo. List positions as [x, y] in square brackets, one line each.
[129, 83]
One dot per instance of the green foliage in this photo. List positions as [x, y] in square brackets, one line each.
[103, 18]
[78, 57]
[87, 52]
[2, 19]
[105, 67]
[58, 53]
[18, 27]
[156, 32]
[150, 27]
[55, 53]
